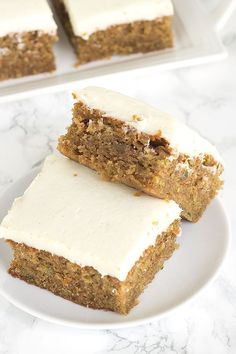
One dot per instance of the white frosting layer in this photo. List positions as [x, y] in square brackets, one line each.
[89, 16]
[70, 211]
[181, 138]
[24, 16]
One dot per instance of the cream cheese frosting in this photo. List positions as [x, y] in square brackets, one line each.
[24, 16]
[89, 16]
[150, 120]
[69, 211]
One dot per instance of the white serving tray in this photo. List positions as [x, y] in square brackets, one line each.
[196, 42]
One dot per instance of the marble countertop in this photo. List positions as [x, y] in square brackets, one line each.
[205, 98]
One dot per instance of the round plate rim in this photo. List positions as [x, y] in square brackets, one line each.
[129, 323]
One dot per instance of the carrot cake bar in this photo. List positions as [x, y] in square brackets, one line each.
[90, 241]
[27, 33]
[129, 141]
[100, 29]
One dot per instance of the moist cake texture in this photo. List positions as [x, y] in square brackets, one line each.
[128, 141]
[85, 285]
[100, 29]
[88, 240]
[27, 33]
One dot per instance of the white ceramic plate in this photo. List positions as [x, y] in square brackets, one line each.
[203, 247]
[196, 42]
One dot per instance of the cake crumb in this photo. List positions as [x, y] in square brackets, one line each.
[74, 95]
[105, 178]
[137, 194]
[158, 134]
[75, 174]
[136, 118]
[155, 222]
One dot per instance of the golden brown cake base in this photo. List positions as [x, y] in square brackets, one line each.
[27, 53]
[136, 37]
[84, 285]
[121, 153]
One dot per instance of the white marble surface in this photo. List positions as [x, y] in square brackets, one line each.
[204, 97]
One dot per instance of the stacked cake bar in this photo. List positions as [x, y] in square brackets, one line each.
[27, 33]
[100, 29]
[99, 243]
[128, 141]
[90, 241]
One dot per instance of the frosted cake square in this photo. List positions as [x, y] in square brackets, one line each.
[27, 33]
[87, 240]
[128, 141]
[100, 29]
